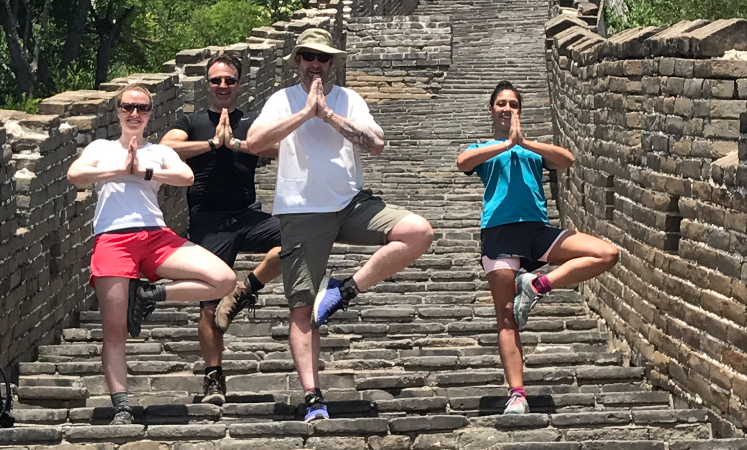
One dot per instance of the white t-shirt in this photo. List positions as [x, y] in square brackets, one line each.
[127, 201]
[318, 169]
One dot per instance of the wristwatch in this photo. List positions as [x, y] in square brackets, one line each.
[148, 174]
[212, 144]
[329, 115]
[236, 145]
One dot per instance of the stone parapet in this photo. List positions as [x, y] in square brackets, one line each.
[45, 233]
[398, 57]
[656, 119]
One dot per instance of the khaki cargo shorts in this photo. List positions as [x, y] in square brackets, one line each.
[307, 241]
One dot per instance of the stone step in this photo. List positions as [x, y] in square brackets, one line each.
[443, 376]
[259, 326]
[276, 407]
[645, 429]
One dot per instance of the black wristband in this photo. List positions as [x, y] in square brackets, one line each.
[212, 144]
[148, 174]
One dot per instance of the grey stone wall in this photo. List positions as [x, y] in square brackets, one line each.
[46, 232]
[656, 119]
[398, 57]
[368, 8]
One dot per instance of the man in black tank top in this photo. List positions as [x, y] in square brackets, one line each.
[224, 215]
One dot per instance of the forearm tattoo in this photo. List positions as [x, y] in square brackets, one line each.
[361, 136]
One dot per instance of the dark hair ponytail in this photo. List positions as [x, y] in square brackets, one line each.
[502, 86]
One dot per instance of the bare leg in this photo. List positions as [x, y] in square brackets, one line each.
[581, 257]
[198, 275]
[112, 294]
[503, 288]
[269, 268]
[211, 339]
[409, 239]
[304, 344]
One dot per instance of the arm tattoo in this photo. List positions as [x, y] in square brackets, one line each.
[361, 136]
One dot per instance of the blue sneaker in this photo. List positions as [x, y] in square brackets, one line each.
[526, 298]
[316, 409]
[328, 301]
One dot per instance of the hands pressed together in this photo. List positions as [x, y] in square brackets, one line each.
[516, 135]
[223, 132]
[132, 164]
[316, 104]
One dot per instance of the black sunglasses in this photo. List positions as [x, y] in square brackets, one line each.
[141, 107]
[230, 81]
[310, 56]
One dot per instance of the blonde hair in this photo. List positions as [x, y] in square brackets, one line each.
[134, 87]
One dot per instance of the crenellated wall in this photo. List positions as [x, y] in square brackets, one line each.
[398, 57]
[657, 121]
[46, 223]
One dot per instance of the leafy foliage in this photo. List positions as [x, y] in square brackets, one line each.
[152, 34]
[639, 13]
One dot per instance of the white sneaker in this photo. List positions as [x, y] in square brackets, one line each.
[517, 404]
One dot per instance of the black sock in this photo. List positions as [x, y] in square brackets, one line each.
[120, 400]
[314, 396]
[253, 282]
[156, 292]
[218, 369]
[349, 289]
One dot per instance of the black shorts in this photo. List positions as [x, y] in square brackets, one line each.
[528, 241]
[250, 231]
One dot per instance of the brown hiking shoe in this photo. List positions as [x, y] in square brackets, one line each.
[214, 388]
[232, 304]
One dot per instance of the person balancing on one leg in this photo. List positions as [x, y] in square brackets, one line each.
[515, 231]
[320, 200]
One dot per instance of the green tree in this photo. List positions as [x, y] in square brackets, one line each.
[639, 13]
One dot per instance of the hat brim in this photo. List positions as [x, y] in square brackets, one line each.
[339, 55]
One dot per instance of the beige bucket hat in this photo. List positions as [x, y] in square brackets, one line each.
[319, 40]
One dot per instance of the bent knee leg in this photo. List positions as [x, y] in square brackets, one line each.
[414, 230]
[610, 256]
[223, 280]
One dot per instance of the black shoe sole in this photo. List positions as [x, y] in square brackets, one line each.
[133, 322]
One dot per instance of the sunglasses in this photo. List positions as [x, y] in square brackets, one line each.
[141, 107]
[230, 81]
[309, 56]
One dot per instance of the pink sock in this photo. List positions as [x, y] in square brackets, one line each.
[541, 285]
[518, 390]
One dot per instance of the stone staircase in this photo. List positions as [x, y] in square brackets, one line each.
[414, 363]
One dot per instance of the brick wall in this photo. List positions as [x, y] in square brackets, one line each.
[657, 122]
[368, 8]
[46, 223]
[398, 57]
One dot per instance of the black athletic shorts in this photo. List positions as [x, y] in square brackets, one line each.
[250, 231]
[528, 241]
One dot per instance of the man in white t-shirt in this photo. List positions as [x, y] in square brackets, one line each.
[319, 198]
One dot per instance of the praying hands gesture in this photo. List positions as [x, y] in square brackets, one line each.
[223, 132]
[136, 168]
[516, 135]
[362, 136]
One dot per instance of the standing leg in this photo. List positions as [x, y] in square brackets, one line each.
[502, 288]
[112, 294]
[307, 243]
[509, 342]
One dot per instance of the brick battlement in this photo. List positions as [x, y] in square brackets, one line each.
[656, 118]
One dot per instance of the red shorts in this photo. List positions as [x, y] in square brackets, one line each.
[127, 255]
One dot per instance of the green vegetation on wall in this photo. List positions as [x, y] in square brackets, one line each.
[639, 13]
[50, 46]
